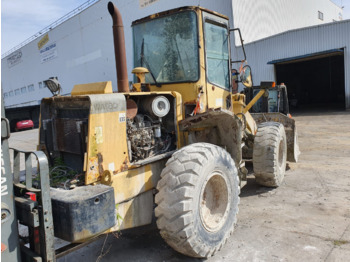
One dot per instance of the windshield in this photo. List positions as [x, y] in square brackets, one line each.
[168, 47]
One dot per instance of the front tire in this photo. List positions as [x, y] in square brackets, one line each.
[269, 154]
[198, 200]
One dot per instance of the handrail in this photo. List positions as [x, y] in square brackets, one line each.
[46, 230]
[59, 21]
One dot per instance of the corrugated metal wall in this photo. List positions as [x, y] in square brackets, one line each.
[297, 43]
[258, 19]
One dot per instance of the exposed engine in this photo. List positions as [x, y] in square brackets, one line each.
[148, 132]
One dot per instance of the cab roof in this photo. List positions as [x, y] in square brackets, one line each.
[176, 10]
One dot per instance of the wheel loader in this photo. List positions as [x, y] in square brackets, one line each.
[177, 139]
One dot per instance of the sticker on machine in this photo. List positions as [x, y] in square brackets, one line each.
[111, 167]
[99, 135]
[218, 102]
[122, 117]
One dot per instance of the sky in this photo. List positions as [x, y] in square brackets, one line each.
[21, 19]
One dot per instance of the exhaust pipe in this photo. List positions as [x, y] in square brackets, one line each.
[119, 48]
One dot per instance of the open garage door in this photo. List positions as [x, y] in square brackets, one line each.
[314, 81]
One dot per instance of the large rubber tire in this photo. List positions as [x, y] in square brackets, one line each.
[198, 200]
[269, 154]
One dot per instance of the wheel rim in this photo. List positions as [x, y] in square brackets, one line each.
[214, 202]
[280, 153]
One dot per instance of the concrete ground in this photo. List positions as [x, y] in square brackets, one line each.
[306, 219]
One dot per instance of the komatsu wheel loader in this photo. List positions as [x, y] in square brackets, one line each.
[177, 139]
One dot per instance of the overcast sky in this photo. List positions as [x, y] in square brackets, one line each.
[20, 19]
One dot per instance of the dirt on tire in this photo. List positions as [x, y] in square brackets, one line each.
[269, 154]
[198, 200]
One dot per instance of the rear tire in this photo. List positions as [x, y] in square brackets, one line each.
[198, 200]
[269, 154]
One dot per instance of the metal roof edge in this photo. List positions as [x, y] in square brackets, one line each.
[298, 29]
[301, 57]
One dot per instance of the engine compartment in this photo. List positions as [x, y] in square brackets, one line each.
[85, 135]
[150, 126]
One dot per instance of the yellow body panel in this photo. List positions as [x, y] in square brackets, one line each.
[93, 88]
[107, 134]
[217, 97]
[131, 183]
[133, 213]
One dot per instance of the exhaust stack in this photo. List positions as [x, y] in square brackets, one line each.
[119, 48]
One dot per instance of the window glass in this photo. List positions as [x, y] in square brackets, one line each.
[31, 88]
[17, 92]
[23, 90]
[40, 85]
[168, 47]
[11, 93]
[216, 49]
[5, 95]
[320, 15]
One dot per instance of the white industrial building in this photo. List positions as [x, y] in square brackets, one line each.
[313, 62]
[79, 48]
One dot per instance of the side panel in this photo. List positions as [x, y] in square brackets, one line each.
[135, 212]
[107, 134]
[133, 190]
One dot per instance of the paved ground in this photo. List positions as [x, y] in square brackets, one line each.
[306, 219]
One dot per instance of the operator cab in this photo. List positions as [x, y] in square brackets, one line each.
[186, 50]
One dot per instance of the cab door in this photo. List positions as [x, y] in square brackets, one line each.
[217, 57]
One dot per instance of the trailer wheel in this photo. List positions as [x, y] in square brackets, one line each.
[198, 200]
[269, 154]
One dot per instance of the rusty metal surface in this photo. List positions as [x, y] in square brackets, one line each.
[131, 108]
[119, 48]
[290, 128]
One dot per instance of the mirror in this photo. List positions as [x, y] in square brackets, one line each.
[246, 76]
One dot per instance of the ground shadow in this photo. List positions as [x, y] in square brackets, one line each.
[137, 244]
[252, 188]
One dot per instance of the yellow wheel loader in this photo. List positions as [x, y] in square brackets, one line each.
[178, 137]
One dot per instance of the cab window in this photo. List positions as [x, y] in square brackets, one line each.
[217, 54]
